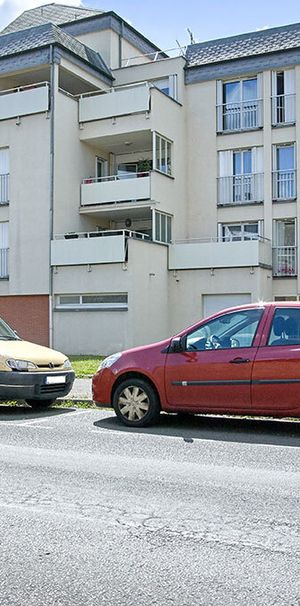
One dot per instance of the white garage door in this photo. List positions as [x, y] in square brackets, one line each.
[214, 303]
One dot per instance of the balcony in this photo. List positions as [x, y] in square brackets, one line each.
[119, 101]
[116, 188]
[283, 109]
[284, 185]
[244, 115]
[241, 189]
[24, 100]
[4, 263]
[213, 253]
[4, 189]
[284, 261]
[91, 248]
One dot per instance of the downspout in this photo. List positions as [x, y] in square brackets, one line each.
[51, 192]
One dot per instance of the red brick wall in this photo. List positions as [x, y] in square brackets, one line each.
[28, 315]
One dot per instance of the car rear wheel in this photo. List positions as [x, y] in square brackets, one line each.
[136, 403]
[40, 404]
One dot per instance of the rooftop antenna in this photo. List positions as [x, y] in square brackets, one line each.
[192, 39]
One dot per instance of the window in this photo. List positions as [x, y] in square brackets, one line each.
[101, 168]
[162, 228]
[127, 170]
[283, 97]
[4, 176]
[167, 85]
[105, 301]
[284, 173]
[233, 232]
[285, 329]
[162, 154]
[284, 249]
[239, 104]
[231, 330]
[240, 176]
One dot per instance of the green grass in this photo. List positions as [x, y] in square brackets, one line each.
[85, 366]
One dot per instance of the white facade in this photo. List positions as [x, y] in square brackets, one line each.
[140, 203]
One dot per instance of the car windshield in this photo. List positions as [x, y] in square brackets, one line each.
[6, 333]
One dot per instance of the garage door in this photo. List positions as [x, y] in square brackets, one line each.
[214, 303]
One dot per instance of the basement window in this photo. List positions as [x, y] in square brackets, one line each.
[102, 301]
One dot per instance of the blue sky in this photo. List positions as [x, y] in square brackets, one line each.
[166, 21]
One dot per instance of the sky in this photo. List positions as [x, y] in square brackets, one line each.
[165, 22]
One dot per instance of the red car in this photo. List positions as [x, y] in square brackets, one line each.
[243, 360]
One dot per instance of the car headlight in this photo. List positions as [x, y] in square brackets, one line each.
[67, 364]
[107, 362]
[21, 365]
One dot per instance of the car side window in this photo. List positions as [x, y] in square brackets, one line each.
[231, 330]
[285, 328]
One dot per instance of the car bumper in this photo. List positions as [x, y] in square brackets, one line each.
[33, 385]
[102, 384]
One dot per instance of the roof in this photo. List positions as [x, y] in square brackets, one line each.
[272, 40]
[54, 13]
[44, 35]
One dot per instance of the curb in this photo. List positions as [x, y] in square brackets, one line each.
[76, 400]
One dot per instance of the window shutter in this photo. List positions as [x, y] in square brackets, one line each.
[258, 169]
[225, 173]
[219, 106]
[4, 161]
[4, 235]
[289, 92]
[274, 97]
[260, 99]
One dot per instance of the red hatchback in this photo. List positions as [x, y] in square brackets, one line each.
[243, 360]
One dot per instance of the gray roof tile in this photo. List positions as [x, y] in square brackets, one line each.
[44, 35]
[54, 13]
[245, 45]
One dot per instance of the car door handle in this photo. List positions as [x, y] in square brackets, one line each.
[239, 361]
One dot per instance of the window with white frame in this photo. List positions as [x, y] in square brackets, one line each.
[167, 85]
[284, 248]
[99, 301]
[162, 227]
[234, 232]
[240, 176]
[4, 175]
[162, 154]
[239, 104]
[284, 172]
[283, 97]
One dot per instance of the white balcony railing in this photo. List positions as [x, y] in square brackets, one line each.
[24, 100]
[87, 248]
[283, 109]
[241, 189]
[240, 116]
[285, 261]
[215, 253]
[118, 101]
[4, 189]
[284, 184]
[4, 262]
[116, 188]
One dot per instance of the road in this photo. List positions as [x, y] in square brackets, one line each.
[193, 512]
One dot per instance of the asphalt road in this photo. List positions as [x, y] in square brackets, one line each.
[193, 512]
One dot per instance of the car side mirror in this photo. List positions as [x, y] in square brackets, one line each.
[177, 345]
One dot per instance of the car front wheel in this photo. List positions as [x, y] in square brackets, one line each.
[136, 403]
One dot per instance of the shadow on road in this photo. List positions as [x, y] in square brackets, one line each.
[20, 412]
[196, 427]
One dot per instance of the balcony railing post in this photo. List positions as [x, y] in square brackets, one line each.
[283, 109]
[284, 261]
[284, 184]
[240, 116]
[240, 189]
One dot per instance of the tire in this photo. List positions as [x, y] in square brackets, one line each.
[40, 404]
[136, 403]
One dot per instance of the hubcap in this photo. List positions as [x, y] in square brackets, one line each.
[133, 403]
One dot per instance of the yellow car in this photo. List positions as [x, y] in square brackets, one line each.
[31, 372]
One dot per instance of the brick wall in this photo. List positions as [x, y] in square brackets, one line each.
[28, 315]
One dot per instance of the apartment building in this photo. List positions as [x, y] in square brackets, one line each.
[139, 190]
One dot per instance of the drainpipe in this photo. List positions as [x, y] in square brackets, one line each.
[51, 201]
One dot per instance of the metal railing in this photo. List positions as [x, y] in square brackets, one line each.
[4, 262]
[159, 55]
[284, 184]
[127, 233]
[241, 189]
[284, 261]
[216, 239]
[4, 188]
[115, 177]
[283, 109]
[18, 89]
[240, 116]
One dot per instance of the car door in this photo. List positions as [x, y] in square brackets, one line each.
[213, 370]
[276, 371]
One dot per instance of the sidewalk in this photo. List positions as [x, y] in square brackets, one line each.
[82, 391]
